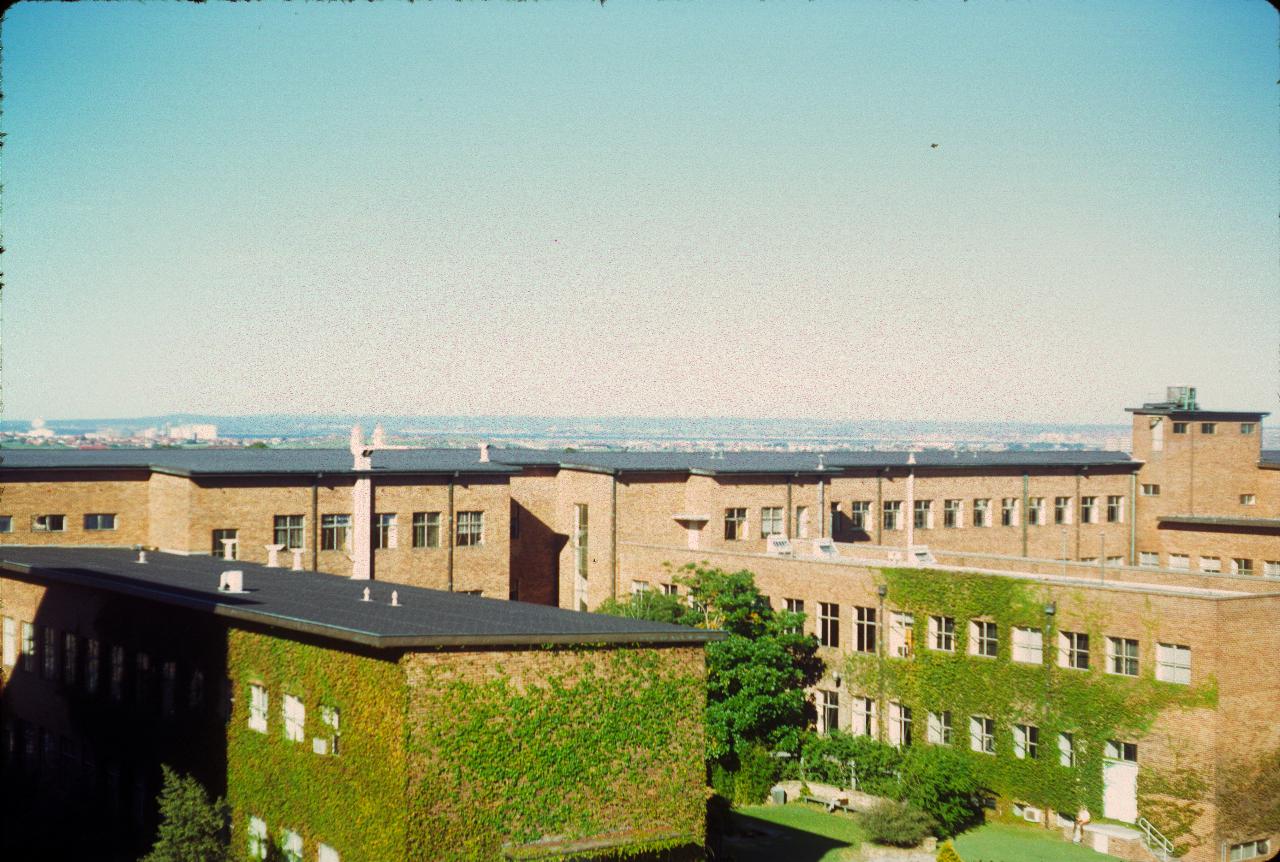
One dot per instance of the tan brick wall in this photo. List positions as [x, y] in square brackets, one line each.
[25, 495]
[596, 491]
[535, 554]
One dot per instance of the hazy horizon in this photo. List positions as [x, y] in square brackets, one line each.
[851, 212]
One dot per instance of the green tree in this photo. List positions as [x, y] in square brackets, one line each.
[756, 677]
[191, 827]
[941, 782]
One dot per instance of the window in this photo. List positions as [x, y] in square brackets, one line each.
[639, 588]
[770, 521]
[795, 606]
[899, 724]
[581, 558]
[952, 514]
[223, 551]
[828, 624]
[99, 521]
[982, 638]
[1115, 509]
[426, 529]
[1151, 490]
[6, 523]
[470, 528]
[834, 523]
[1035, 511]
[893, 514]
[515, 520]
[901, 634]
[117, 673]
[1248, 500]
[829, 704]
[1028, 646]
[1210, 564]
[864, 629]
[48, 523]
[385, 533]
[257, 838]
[1179, 561]
[1179, 427]
[1126, 751]
[142, 678]
[258, 702]
[1122, 656]
[288, 531]
[1208, 427]
[859, 514]
[982, 734]
[195, 691]
[923, 515]
[335, 532]
[28, 647]
[325, 853]
[291, 845]
[982, 513]
[9, 652]
[1026, 741]
[802, 522]
[1066, 749]
[1246, 427]
[295, 718]
[1088, 510]
[1148, 558]
[1271, 568]
[1062, 510]
[168, 687]
[735, 524]
[1250, 850]
[1009, 512]
[673, 590]
[70, 657]
[1173, 663]
[1241, 566]
[940, 728]
[864, 717]
[49, 653]
[1073, 650]
[330, 717]
[942, 634]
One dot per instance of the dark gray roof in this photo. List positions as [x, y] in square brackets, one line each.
[1197, 415]
[331, 606]
[1271, 457]
[1212, 521]
[243, 461]
[728, 463]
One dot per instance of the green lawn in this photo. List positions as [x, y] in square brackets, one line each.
[796, 832]
[1002, 842]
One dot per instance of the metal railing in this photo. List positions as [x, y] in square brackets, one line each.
[1160, 847]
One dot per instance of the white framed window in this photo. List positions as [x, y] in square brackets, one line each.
[28, 647]
[386, 533]
[674, 590]
[1035, 511]
[117, 673]
[325, 853]
[771, 523]
[48, 523]
[470, 529]
[258, 704]
[983, 638]
[952, 514]
[335, 532]
[1062, 510]
[1026, 741]
[899, 724]
[1271, 568]
[864, 629]
[1180, 561]
[892, 514]
[802, 522]
[1066, 749]
[1211, 564]
[940, 728]
[1247, 427]
[828, 624]
[295, 718]
[9, 652]
[982, 512]
[1115, 561]
[942, 634]
[1173, 663]
[793, 606]
[859, 514]
[1208, 427]
[291, 845]
[1148, 558]
[1009, 512]
[1250, 850]
[1180, 427]
[1241, 566]
[100, 521]
[1088, 510]
[829, 709]
[49, 653]
[1028, 645]
[257, 838]
[331, 718]
[1118, 750]
[639, 587]
[735, 524]
[6, 523]
[1150, 490]
[426, 529]
[1115, 509]
[923, 515]
[901, 634]
[1073, 650]
[982, 734]
[864, 716]
[1122, 656]
[288, 531]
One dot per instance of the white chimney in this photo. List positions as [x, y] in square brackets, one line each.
[227, 546]
[361, 510]
[142, 556]
[273, 555]
[231, 581]
[484, 453]
[297, 559]
[379, 436]
[395, 599]
[365, 597]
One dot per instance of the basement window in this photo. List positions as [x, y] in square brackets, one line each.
[49, 523]
[1250, 850]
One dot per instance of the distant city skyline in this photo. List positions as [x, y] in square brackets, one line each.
[973, 212]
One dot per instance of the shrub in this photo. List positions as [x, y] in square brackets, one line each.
[876, 762]
[942, 783]
[757, 772]
[897, 823]
[947, 853]
[722, 780]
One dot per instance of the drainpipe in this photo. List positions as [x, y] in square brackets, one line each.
[1079, 513]
[881, 591]
[878, 514]
[822, 509]
[315, 524]
[790, 527]
[1026, 481]
[1133, 517]
[613, 533]
[911, 501]
[449, 524]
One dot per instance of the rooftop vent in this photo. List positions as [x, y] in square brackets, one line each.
[395, 599]
[365, 597]
[231, 581]
[142, 553]
[484, 453]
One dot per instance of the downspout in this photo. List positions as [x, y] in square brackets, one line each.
[1026, 481]
[315, 524]
[1191, 484]
[822, 509]
[878, 514]
[449, 521]
[1133, 517]
[911, 501]
[613, 533]
[1078, 513]
[791, 530]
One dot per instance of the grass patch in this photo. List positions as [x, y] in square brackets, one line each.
[1005, 842]
[796, 831]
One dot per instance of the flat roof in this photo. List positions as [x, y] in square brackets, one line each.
[1184, 413]
[330, 605]
[253, 462]
[1270, 457]
[1211, 521]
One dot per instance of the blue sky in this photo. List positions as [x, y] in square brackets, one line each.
[650, 208]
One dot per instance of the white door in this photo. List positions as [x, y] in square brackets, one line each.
[1120, 790]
